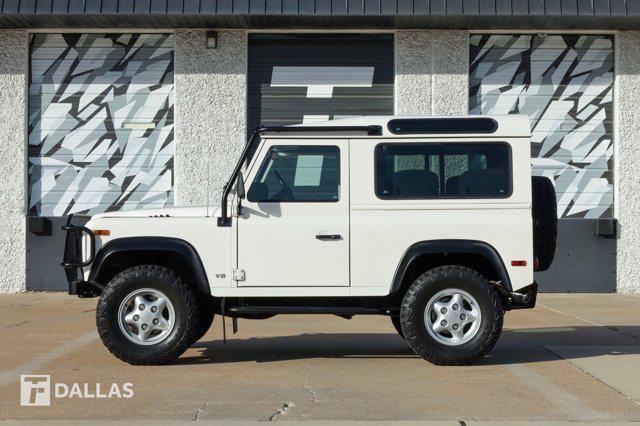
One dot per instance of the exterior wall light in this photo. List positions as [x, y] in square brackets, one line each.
[212, 39]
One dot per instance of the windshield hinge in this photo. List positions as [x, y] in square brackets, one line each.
[238, 275]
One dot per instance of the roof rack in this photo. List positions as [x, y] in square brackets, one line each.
[372, 130]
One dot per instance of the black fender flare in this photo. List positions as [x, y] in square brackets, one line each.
[149, 244]
[450, 246]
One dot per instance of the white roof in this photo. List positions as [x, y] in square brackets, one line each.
[513, 125]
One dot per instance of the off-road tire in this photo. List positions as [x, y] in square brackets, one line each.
[424, 288]
[544, 210]
[182, 297]
[395, 320]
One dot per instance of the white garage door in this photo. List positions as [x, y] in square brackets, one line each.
[100, 122]
[565, 84]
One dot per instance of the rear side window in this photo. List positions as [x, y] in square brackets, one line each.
[421, 170]
[294, 173]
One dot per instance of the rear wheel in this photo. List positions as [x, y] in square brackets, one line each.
[451, 315]
[147, 315]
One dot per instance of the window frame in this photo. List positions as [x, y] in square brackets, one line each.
[442, 197]
[259, 164]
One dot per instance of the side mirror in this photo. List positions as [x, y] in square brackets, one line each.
[240, 186]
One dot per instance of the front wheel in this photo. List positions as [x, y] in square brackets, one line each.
[451, 315]
[147, 315]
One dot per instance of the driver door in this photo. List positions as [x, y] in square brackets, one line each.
[294, 226]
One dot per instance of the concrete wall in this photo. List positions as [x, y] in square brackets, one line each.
[210, 98]
[432, 72]
[13, 83]
[627, 176]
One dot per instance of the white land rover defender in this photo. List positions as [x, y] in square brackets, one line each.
[434, 222]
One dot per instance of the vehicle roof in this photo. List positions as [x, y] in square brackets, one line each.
[512, 125]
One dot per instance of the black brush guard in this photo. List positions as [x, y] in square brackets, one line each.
[73, 260]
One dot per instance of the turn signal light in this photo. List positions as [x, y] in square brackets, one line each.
[518, 263]
[101, 232]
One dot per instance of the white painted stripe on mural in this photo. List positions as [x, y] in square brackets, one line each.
[314, 118]
[320, 81]
[319, 91]
[130, 125]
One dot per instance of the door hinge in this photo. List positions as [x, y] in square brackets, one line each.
[238, 275]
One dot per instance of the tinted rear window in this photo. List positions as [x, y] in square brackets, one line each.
[421, 171]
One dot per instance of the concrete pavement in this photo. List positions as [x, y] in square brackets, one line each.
[573, 358]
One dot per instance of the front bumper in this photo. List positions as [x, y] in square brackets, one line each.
[73, 260]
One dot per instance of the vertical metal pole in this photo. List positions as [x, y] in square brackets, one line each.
[224, 324]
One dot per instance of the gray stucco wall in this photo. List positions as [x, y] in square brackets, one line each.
[627, 176]
[13, 81]
[432, 72]
[210, 97]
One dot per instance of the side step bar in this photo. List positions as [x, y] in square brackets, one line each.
[332, 310]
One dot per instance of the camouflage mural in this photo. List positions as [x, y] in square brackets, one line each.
[565, 84]
[100, 122]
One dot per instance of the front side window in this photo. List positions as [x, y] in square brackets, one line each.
[294, 173]
[418, 171]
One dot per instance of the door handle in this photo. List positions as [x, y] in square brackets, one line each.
[329, 237]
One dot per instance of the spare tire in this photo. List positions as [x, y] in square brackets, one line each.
[545, 222]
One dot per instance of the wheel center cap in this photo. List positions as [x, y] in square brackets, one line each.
[146, 315]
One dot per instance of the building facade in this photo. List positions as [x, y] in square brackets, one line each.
[116, 105]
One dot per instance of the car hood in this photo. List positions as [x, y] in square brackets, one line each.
[211, 211]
